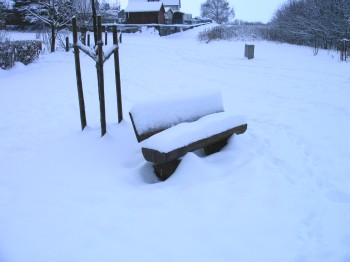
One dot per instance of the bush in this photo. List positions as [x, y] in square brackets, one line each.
[7, 55]
[19, 51]
[235, 32]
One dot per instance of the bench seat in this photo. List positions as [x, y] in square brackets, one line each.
[184, 134]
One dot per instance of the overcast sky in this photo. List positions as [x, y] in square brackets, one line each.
[247, 10]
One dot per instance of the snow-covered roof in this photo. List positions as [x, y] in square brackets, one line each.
[165, 2]
[168, 9]
[172, 2]
[143, 7]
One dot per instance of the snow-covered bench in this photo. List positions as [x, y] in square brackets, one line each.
[170, 127]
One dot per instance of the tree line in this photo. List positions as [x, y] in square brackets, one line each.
[316, 23]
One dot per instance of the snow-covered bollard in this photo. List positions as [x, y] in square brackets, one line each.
[249, 51]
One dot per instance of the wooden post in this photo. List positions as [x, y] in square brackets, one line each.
[345, 50]
[78, 75]
[120, 37]
[67, 44]
[99, 66]
[106, 38]
[88, 39]
[117, 76]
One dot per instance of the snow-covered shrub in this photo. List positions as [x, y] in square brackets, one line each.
[18, 51]
[214, 33]
[27, 51]
[7, 55]
[235, 32]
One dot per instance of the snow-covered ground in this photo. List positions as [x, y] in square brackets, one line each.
[279, 192]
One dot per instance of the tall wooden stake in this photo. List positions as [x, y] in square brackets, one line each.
[99, 66]
[78, 75]
[94, 24]
[117, 76]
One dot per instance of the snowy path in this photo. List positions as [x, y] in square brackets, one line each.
[280, 192]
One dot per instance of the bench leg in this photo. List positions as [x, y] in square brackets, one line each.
[164, 171]
[216, 147]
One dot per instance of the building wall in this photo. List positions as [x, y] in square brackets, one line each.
[146, 17]
[170, 16]
[161, 16]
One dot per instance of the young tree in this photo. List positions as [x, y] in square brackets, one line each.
[115, 5]
[86, 12]
[55, 13]
[217, 10]
[83, 11]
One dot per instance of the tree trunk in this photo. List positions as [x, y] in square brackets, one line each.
[94, 21]
[83, 32]
[100, 78]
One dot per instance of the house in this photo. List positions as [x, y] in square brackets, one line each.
[169, 15]
[182, 18]
[178, 18]
[175, 5]
[121, 16]
[143, 12]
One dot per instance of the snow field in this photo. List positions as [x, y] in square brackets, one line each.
[279, 192]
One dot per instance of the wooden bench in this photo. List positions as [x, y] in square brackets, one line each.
[170, 127]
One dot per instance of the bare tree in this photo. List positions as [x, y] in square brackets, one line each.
[217, 10]
[83, 11]
[54, 13]
[115, 5]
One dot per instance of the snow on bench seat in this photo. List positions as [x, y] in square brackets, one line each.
[154, 115]
[184, 134]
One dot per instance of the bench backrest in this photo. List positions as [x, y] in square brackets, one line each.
[155, 115]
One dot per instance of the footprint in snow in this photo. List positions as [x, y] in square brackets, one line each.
[338, 196]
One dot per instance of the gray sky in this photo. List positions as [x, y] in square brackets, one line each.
[248, 10]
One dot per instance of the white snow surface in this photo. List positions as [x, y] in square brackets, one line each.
[143, 7]
[161, 112]
[279, 192]
[166, 2]
[186, 133]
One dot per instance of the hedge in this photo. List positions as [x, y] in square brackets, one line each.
[19, 51]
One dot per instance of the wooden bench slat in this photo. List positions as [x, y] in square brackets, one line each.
[161, 157]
